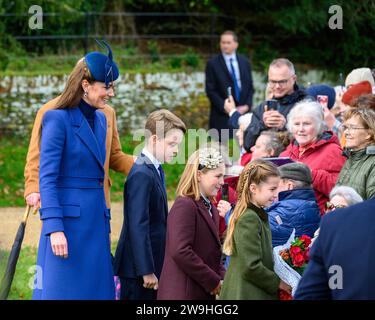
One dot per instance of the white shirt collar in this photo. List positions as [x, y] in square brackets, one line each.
[209, 202]
[228, 56]
[149, 155]
[205, 198]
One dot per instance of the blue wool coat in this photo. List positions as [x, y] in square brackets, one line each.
[296, 209]
[72, 201]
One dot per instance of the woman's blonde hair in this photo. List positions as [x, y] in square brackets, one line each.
[188, 185]
[73, 90]
[256, 172]
[366, 117]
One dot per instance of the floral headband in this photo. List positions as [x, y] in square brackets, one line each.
[209, 158]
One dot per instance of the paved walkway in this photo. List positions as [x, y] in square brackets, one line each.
[10, 219]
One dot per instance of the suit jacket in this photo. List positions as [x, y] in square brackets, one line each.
[141, 246]
[114, 158]
[192, 266]
[342, 253]
[218, 79]
[72, 198]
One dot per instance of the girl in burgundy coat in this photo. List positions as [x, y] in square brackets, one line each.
[192, 267]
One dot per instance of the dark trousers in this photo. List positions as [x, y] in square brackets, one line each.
[132, 289]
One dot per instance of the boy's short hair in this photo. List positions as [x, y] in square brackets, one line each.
[161, 121]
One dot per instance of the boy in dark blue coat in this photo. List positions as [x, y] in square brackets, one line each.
[140, 251]
[297, 207]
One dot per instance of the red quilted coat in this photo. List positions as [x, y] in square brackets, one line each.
[324, 158]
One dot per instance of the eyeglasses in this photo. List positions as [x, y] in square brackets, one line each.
[281, 83]
[330, 206]
[351, 128]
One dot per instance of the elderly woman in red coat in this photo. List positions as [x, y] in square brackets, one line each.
[317, 148]
[192, 268]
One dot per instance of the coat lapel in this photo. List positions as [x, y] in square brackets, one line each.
[212, 222]
[151, 166]
[84, 132]
[224, 66]
[100, 135]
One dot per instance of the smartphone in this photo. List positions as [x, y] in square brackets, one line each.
[272, 104]
[225, 192]
[323, 100]
[229, 91]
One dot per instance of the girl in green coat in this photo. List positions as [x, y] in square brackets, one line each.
[250, 274]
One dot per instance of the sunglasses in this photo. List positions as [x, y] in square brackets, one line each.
[330, 206]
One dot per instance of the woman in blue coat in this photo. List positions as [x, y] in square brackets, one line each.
[74, 258]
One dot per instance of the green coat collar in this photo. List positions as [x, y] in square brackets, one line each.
[259, 211]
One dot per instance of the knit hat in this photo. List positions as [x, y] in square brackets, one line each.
[296, 171]
[355, 91]
[323, 90]
[358, 75]
[101, 66]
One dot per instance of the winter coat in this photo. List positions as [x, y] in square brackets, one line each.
[72, 175]
[192, 266]
[296, 209]
[257, 125]
[250, 275]
[325, 160]
[358, 172]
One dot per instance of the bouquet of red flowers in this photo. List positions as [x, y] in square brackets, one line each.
[297, 255]
[291, 260]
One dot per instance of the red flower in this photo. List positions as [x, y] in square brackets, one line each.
[283, 295]
[306, 254]
[294, 251]
[298, 260]
[306, 239]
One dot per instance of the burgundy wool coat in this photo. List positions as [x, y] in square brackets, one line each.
[192, 265]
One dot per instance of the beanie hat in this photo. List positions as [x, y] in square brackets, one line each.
[356, 91]
[358, 75]
[323, 90]
[296, 171]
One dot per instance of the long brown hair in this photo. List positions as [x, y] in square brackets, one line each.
[73, 90]
[255, 172]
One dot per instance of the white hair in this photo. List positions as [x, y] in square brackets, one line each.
[308, 108]
[348, 193]
[245, 120]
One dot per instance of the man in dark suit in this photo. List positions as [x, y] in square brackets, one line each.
[342, 258]
[140, 252]
[228, 69]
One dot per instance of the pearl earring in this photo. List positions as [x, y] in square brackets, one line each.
[85, 94]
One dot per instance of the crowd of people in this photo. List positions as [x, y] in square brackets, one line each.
[325, 135]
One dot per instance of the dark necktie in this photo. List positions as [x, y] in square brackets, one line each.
[161, 171]
[236, 88]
